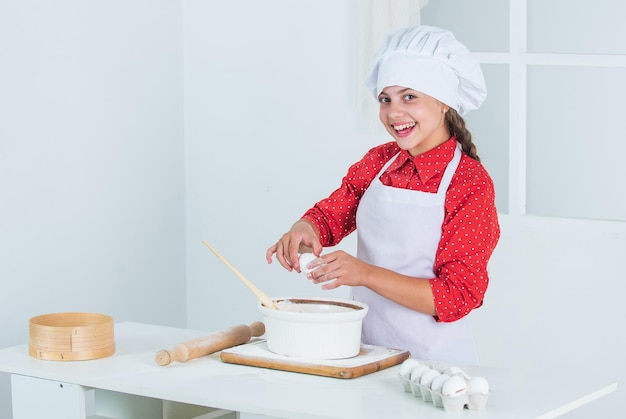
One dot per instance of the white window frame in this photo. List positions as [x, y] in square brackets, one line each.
[518, 59]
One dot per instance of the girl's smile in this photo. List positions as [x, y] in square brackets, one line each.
[403, 130]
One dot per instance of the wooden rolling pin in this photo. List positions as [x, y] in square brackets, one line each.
[214, 342]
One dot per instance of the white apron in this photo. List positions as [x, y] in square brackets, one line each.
[400, 229]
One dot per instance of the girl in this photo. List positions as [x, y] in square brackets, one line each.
[422, 205]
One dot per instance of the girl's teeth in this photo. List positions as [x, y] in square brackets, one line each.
[404, 126]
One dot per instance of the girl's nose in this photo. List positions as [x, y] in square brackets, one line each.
[396, 109]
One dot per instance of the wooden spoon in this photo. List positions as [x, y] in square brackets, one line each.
[263, 298]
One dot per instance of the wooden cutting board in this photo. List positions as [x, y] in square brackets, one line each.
[369, 360]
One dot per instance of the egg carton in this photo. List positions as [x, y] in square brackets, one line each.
[444, 386]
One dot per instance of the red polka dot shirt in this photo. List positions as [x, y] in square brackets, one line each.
[469, 233]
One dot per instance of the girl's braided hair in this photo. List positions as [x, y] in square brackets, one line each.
[456, 126]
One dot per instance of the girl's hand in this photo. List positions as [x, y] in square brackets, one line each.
[340, 268]
[302, 237]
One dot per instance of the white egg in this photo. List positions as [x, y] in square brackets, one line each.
[454, 386]
[418, 371]
[428, 377]
[408, 366]
[437, 383]
[305, 259]
[478, 385]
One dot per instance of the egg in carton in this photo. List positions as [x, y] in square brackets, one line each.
[416, 376]
[425, 383]
[454, 394]
[405, 372]
[478, 393]
[444, 386]
[435, 389]
[459, 392]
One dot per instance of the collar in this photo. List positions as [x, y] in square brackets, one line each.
[428, 164]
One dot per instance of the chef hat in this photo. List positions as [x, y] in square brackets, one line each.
[429, 60]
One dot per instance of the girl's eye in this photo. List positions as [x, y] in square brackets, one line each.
[409, 97]
[383, 99]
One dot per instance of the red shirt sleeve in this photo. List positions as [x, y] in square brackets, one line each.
[470, 233]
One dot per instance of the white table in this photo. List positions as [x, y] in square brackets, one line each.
[207, 381]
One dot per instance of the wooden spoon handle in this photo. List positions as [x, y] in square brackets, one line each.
[263, 298]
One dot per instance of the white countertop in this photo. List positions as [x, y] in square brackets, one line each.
[515, 393]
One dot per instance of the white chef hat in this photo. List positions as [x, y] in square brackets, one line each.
[429, 60]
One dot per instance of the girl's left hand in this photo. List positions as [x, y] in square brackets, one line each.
[340, 268]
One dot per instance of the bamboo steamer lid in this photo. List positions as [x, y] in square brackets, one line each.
[71, 336]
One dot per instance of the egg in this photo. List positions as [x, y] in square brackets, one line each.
[408, 366]
[478, 385]
[435, 389]
[427, 378]
[454, 386]
[418, 371]
[437, 383]
[305, 259]
[405, 373]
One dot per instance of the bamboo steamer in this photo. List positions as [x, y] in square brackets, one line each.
[71, 336]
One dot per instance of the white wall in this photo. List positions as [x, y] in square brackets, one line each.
[271, 126]
[91, 163]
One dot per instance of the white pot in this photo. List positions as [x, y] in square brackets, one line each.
[314, 328]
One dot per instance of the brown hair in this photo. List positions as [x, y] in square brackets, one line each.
[456, 126]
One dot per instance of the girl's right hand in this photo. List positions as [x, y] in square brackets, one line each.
[302, 237]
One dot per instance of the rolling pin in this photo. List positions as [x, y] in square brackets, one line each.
[214, 342]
